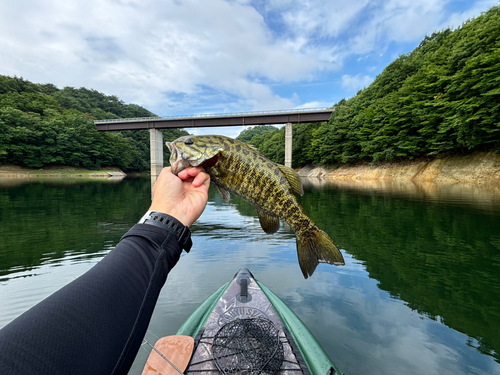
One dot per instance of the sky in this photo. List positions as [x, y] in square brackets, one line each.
[177, 57]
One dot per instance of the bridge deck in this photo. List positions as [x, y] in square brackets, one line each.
[293, 116]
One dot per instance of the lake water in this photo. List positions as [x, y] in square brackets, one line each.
[420, 291]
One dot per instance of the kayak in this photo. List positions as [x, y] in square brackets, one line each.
[243, 328]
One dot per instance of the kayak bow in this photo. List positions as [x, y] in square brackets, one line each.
[245, 328]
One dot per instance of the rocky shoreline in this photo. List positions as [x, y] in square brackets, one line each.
[479, 168]
[15, 172]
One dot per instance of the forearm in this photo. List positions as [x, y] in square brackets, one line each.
[96, 323]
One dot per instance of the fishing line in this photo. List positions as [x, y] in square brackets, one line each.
[151, 333]
[144, 341]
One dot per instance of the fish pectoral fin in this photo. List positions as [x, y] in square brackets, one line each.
[293, 178]
[270, 223]
[225, 194]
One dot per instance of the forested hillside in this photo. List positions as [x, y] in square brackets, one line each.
[42, 125]
[248, 134]
[441, 99]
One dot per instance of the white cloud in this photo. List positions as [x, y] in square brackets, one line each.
[360, 26]
[456, 19]
[354, 83]
[228, 131]
[146, 51]
[326, 17]
[210, 56]
[315, 104]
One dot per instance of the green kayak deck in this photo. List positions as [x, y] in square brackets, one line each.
[245, 300]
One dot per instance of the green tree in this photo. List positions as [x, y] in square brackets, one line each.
[248, 134]
[42, 125]
[442, 98]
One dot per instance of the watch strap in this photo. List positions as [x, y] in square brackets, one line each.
[171, 224]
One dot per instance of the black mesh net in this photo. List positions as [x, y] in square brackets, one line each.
[248, 346]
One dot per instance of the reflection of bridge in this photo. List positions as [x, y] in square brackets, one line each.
[288, 117]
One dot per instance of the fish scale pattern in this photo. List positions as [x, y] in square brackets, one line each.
[238, 168]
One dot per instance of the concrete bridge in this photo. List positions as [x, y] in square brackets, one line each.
[288, 117]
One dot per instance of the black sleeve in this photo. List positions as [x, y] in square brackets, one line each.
[95, 324]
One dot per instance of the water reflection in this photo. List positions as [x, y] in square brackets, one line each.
[51, 219]
[440, 257]
[482, 196]
[420, 291]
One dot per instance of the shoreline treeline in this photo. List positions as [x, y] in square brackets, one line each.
[42, 125]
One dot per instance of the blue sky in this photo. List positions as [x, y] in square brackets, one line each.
[178, 57]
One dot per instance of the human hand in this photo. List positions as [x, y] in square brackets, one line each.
[183, 196]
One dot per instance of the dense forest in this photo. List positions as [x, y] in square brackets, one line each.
[42, 125]
[442, 98]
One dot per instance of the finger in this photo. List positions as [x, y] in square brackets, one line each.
[201, 179]
[194, 171]
[190, 172]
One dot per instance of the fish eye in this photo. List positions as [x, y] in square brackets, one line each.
[188, 142]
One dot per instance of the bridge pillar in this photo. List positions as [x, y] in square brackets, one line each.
[288, 145]
[156, 152]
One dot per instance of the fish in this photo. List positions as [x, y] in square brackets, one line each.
[238, 168]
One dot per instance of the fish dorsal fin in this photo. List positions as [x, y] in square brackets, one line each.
[225, 194]
[293, 178]
[270, 223]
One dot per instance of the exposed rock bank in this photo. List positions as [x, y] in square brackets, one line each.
[13, 171]
[479, 168]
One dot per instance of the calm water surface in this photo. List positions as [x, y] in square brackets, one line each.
[420, 292]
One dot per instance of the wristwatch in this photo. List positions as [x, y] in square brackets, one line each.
[171, 224]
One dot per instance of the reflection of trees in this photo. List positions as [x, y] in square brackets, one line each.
[244, 209]
[242, 206]
[484, 196]
[443, 260]
[44, 222]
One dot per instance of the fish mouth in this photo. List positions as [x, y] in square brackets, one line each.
[176, 161]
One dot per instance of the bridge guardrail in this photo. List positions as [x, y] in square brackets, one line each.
[212, 115]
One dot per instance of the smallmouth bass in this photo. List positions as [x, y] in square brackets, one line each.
[238, 168]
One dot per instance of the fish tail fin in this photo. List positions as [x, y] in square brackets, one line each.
[314, 247]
